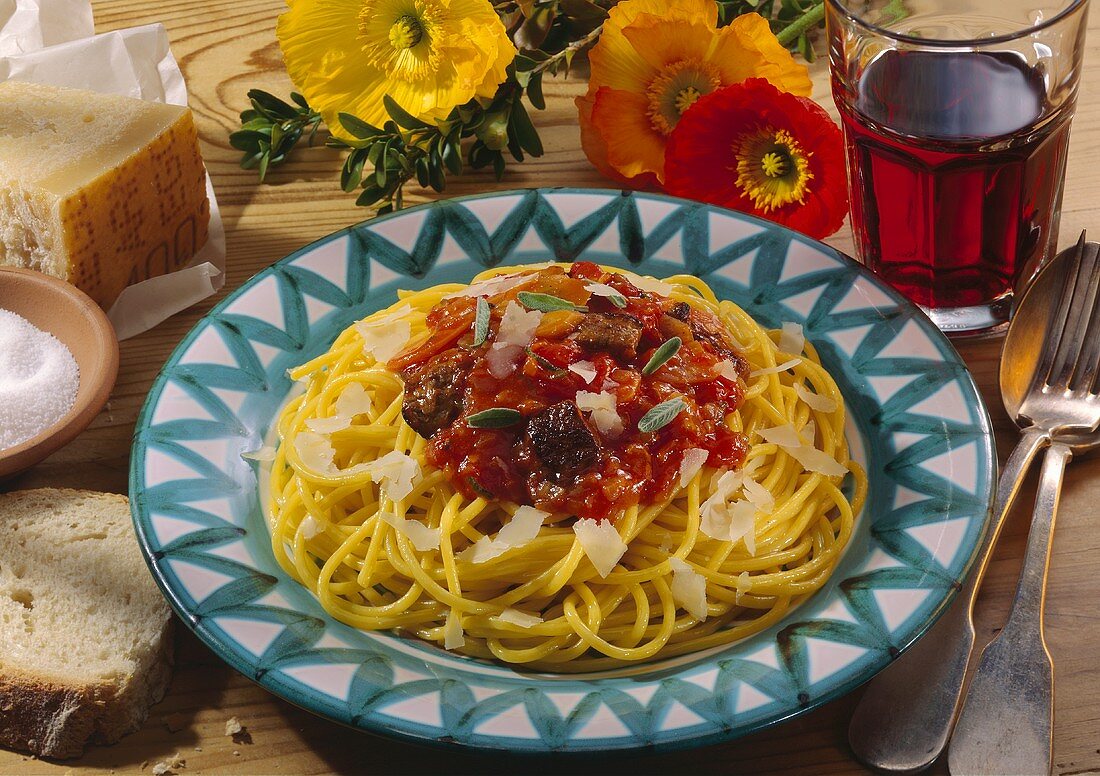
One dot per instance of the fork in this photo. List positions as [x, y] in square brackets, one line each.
[1006, 721]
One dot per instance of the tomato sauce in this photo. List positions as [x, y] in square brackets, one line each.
[631, 466]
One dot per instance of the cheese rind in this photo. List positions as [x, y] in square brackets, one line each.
[97, 189]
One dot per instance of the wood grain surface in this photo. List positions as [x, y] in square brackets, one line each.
[228, 46]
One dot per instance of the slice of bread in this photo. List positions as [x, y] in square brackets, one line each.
[85, 639]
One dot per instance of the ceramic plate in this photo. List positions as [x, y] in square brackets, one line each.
[917, 425]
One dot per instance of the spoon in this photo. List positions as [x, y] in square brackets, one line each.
[905, 718]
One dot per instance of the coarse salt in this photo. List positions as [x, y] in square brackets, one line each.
[38, 380]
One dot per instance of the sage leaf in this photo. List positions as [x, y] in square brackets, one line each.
[544, 362]
[661, 415]
[661, 355]
[544, 302]
[497, 417]
[481, 321]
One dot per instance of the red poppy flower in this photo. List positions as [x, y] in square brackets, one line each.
[753, 148]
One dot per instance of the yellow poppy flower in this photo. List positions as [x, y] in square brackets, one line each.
[654, 59]
[428, 55]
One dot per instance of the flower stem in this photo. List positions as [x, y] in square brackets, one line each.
[568, 51]
[811, 18]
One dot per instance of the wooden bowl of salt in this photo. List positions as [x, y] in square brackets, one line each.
[58, 364]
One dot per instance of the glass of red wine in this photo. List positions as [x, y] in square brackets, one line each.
[956, 118]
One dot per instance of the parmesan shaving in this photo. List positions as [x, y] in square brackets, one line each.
[394, 472]
[491, 287]
[815, 401]
[517, 327]
[759, 496]
[310, 528]
[315, 451]
[601, 543]
[650, 284]
[743, 524]
[328, 425]
[814, 460]
[689, 588]
[602, 407]
[383, 338]
[742, 585]
[693, 461]
[727, 370]
[601, 289]
[353, 401]
[811, 459]
[502, 359]
[791, 339]
[423, 537]
[784, 436]
[265, 453]
[520, 530]
[452, 631]
[774, 370]
[517, 618]
[586, 370]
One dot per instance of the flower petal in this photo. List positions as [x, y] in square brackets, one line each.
[661, 42]
[633, 146]
[747, 48]
[701, 161]
[595, 148]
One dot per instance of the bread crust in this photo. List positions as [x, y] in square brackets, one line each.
[57, 718]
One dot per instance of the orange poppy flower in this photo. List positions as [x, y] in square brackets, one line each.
[753, 148]
[653, 60]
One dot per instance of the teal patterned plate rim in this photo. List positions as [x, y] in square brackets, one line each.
[917, 424]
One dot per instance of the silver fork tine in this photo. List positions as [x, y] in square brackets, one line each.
[1058, 316]
[1089, 361]
[1081, 304]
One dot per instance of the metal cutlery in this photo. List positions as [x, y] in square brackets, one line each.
[905, 718]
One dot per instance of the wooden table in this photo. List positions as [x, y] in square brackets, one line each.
[228, 46]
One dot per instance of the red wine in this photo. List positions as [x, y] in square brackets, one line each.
[956, 167]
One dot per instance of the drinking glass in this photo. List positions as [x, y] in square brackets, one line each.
[956, 119]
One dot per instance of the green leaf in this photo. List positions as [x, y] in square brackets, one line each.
[661, 355]
[481, 321]
[352, 172]
[356, 127]
[546, 303]
[497, 417]
[270, 104]
[436, 177]
[534, 92]
[544, 363]
[422, 175]
[452, 156]
[661, 415]
[525, 131]
[498, 165]
[370, 195]
[401, 116]
[477, 488]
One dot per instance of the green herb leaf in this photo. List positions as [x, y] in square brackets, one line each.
[357, 127]
[401, 116]
[661, 355]
[545, 302]
[618, 300]
[497, 417]
[481, 321]
[545, 363]
[477, 488]
[661, 415]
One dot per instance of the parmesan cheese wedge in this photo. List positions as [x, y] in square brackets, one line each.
[97, 189]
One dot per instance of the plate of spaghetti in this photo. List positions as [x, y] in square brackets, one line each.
[562, 471]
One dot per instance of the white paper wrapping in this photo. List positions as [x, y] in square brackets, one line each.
[135, 62]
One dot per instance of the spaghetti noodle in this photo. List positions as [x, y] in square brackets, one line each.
[664, 543]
